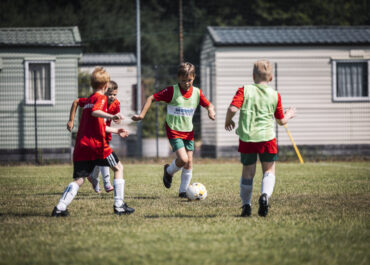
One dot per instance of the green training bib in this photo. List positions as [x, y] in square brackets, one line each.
[180, 110]
[256, 120]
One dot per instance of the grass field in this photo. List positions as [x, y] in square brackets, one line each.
[320, 214]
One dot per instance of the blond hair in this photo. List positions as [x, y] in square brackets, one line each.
[262, 70]
[99, 78]
[186, 69]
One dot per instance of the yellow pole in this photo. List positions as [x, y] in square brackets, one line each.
[295, 147]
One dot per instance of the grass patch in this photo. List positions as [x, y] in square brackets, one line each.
[319, 215]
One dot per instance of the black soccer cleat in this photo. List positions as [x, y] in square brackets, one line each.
[183, 195]
[246, 210]
[59, 213]
[167, 178]
[264, 207]
[123, 209]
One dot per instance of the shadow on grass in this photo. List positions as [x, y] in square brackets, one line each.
[179, 216]
[49, 194]
[24, 215]
[144, 197]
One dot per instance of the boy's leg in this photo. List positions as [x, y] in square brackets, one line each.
[268, 182]
[119, 206]
[246, 181]
[105, 172]
[186, 174]
[81, 169]
[69, 193]
[93, 178]
[178, 146]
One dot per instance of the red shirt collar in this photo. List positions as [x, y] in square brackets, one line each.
[186, 94]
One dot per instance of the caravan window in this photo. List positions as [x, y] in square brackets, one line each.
[351, 81]
[39, 82]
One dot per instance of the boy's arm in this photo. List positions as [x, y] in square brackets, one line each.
[118, 110]
[105, 115]
[144, 110]
[229, 123]
[204, 102]
[72, 114]
[211, 111]
[120, 131]
[289, 114]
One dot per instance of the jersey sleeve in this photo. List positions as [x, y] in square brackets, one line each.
[82, 102]
[116, 108]
[279, 112]
[203, 101]
[100, 104]
[238, 98]
[164, 95]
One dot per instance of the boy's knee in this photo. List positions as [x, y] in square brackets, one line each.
[189, 164]
[118, 167]
[183, 161]
[79, 181]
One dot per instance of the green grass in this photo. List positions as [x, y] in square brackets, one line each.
[319, 215]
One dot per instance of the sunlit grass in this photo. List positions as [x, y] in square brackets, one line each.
[319, 215]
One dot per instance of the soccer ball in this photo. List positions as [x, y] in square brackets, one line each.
[196, 191]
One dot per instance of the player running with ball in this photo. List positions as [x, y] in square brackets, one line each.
[182, 100]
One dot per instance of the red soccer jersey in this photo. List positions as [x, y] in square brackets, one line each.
[90, 142]
[261, 147]
[113, 109]
[166, 96]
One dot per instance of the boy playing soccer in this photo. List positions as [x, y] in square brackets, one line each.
[113, 106]
[91, 148]
[182, 100]
[259, 104]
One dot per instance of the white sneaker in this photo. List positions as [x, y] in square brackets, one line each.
[108, 188]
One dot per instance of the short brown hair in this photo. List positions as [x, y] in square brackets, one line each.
[186, 69]
[99, 78]
[112, 85]
[262, 70]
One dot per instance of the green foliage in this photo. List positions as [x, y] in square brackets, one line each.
[84, 89]
[319, 215]
[110, 25]
[156, 115]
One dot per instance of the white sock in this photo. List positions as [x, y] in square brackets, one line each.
[186, 175]
[246, 188]
[119, 186]
[105, 175]
[68, 195]
[172, 169]
[268, 183]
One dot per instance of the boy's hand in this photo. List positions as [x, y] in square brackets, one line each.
[229, 125]
[212, 114]
[118, 121]
[117, 118]
[122, 133]
[290, 113]
[137, 118]
[70, 126]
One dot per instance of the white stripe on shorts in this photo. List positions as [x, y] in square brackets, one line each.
[111, 161]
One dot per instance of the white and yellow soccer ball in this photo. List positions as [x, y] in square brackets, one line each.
[196, 191]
